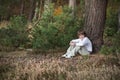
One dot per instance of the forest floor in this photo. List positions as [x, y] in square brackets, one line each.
[24, 65]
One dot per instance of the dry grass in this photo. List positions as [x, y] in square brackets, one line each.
[4, 24]
[52, 67]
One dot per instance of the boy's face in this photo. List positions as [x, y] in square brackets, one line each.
[81, 36]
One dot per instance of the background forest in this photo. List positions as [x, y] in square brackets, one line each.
[35, 33]
[51, 24]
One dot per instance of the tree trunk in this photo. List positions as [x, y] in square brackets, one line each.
[95, 15]
[36, 11]
[119, 19]
[72, 5]
[47, 3]
[32, 10]
[41, 6]
[22, 7]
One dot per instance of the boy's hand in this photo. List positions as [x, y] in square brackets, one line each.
[72, 43]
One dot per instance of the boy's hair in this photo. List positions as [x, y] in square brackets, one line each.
[81, 33]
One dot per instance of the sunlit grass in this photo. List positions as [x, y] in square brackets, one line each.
[4, 24]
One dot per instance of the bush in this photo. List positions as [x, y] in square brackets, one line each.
[111, 34]
[114, 48]
[111, 22]
[55, 29]
[14, 35]
[106, 50]
[116, 42]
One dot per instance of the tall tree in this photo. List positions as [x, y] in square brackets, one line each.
[72, 5]
[95, 14]
[38, 10]
[32, 9]
[119, 19]
[22, 7]
[47, 2]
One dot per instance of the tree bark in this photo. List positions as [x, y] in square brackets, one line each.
[95, 15]
[119, 19]
[32, 10]
[41, 6]
[36, 14]
[72, 5]
[22, 7]
[47, 3]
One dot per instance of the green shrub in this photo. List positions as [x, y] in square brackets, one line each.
[111, 23]
[55, 31]
[111, 34]
[106, 50]
[15, 34]
[116, 42]
[114, 48]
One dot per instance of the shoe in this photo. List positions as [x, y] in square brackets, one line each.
[64, 55]
[68, 57]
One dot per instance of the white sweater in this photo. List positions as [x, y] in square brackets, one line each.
[83, 42]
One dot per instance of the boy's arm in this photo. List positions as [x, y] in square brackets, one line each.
[75, 41]
[82, 43]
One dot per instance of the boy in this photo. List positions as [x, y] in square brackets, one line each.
[82, 45]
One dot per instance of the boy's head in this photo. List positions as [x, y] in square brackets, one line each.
[81, 34]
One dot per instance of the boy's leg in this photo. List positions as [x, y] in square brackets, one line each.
[84, 51]
[73, 52]
[68, 51]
